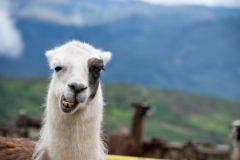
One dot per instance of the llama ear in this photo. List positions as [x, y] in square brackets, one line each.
[50, 54]
[106, 56]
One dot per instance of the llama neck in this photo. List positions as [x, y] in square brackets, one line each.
[73, 136]
[237, 147]
[137, 126]
[74, 140]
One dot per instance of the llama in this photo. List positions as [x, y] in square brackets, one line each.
[235, 135]
[16, 148]
[73, 114]
[129, 144]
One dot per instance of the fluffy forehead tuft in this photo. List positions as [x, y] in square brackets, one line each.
[77, 47]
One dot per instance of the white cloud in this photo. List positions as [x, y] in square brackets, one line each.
[209, 3]
[51, 15]
[10, 39]
[88, 14]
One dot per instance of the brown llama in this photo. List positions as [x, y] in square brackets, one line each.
[16, 148]
[129, 144]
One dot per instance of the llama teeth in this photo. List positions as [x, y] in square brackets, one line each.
[65, 104]
[69, 104]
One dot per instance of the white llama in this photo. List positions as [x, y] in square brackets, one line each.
[235, 135]
[73, 115]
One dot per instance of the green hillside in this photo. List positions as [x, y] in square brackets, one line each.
[178, 115]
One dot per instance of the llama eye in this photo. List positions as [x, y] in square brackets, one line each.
[97, 70]
[58, 69]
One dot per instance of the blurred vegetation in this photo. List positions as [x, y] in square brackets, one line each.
[178, 115]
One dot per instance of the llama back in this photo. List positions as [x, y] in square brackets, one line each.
[16, 148]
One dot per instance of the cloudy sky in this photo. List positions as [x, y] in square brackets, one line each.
[209, 3]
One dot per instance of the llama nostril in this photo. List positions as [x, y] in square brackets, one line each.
[77, 87]
[71, 86]
[83, 89]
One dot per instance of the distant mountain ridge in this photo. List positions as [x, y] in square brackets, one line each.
[188, 48]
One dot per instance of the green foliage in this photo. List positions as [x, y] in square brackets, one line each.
[24, 93]
[178, 115]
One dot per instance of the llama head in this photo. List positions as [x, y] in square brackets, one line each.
[235, 130]
[77, 67]
[143, 108]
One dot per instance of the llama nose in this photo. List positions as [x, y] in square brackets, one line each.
[77, 87]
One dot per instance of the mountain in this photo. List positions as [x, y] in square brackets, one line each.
[178, 115]
[189, 48]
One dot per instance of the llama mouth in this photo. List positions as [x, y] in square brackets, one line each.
[68, 106]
